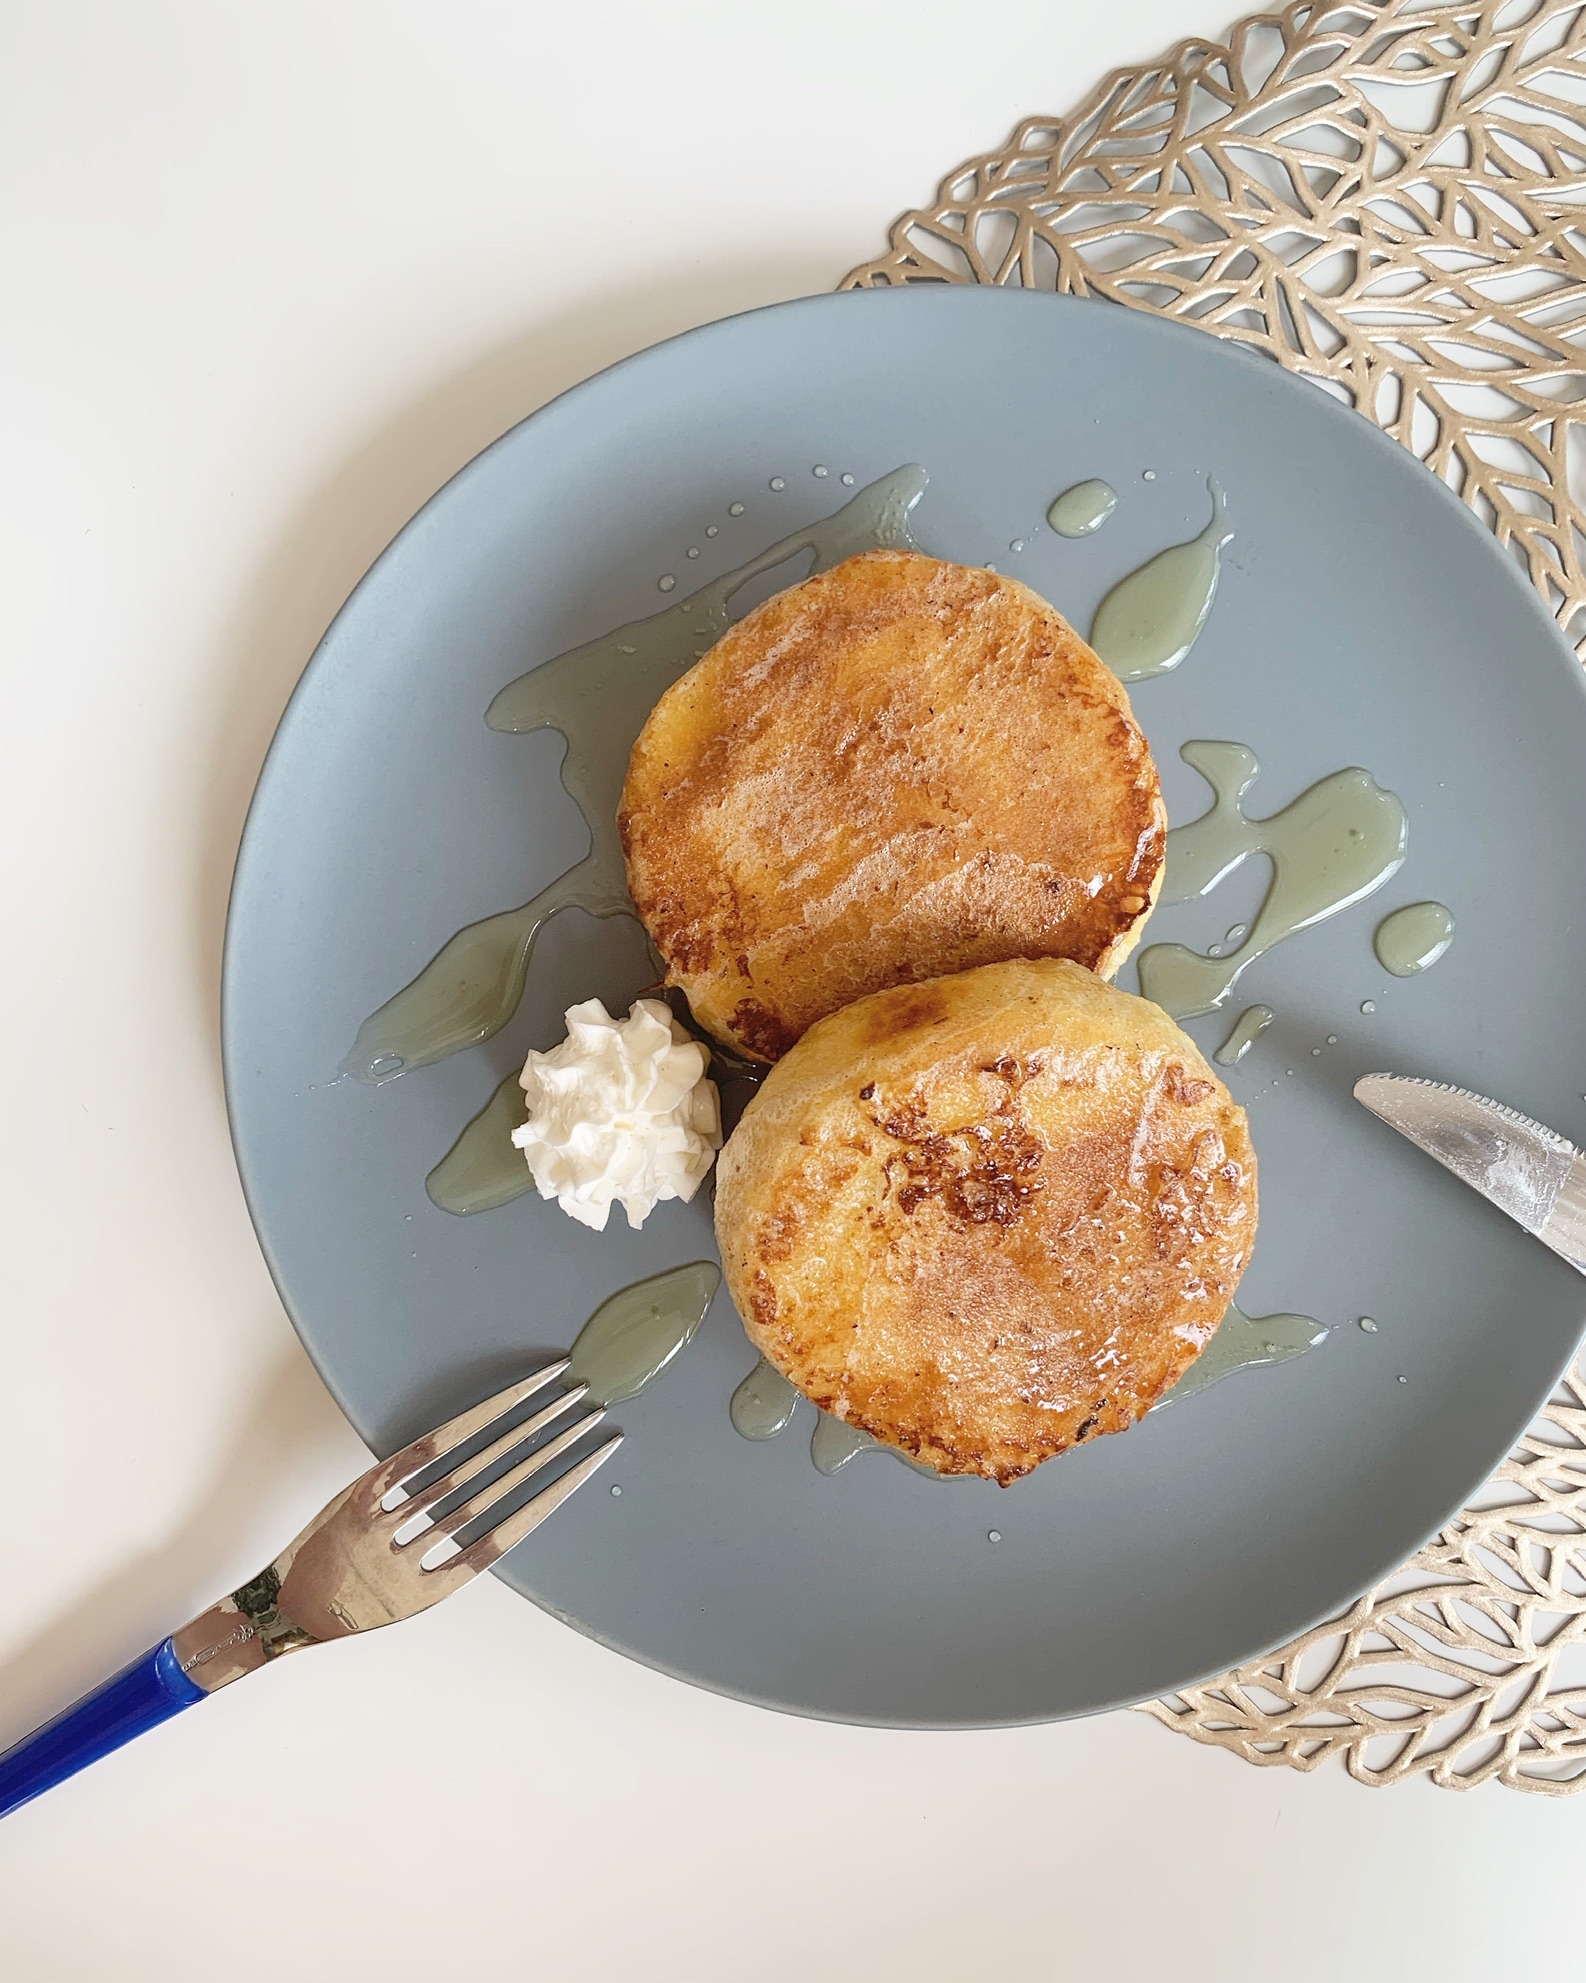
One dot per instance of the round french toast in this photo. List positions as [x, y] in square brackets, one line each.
[898, 769]
[989, 1216]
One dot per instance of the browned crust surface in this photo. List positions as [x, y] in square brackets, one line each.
[899, 769]
[989, 1216]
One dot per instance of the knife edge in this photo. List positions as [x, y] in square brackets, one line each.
[1485, 1103]
[1522, 1167]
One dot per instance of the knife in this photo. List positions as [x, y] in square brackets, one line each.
[1527, 1170]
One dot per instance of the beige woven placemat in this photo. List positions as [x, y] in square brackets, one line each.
[1388, 198]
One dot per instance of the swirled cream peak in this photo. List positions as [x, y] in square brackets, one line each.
[620, 1113]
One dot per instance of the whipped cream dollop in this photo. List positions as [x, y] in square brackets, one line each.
[620, 1113]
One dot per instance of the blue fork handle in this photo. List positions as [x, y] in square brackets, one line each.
[141, 1696]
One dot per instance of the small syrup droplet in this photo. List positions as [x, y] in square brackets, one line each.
[615, 1491]
[820, 471]
[993, 1535]
[777, 482]
[387, 1065]
[712, 529]
[693, 550]
[1368, 1005]
[1017, 544]
[1289, 1070]
[735, 509]
[1315, 1051]
[1332, 1039]
[1215, 950]
[1404, 1380]
[848, 481]
[666, 583]
[1368, 1325]
[1237, 934]
[621, 649]
[1149, 475]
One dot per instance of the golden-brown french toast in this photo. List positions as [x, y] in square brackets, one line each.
[988, 1216]
[895, 770]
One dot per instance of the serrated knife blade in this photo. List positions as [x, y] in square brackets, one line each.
[1524, 1168]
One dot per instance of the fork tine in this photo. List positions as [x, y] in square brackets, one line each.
[420, 1505]
[414, 1458]
[490, 1548]
[490, 1496]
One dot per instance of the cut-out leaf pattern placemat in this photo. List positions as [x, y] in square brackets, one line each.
[1389, 198]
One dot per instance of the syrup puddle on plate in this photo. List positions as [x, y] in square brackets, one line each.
[1245, 1342]
[1151, 619]
[763, 1403]
[1412, 939]
[1331, 847]
[484, 1168]
[630, 1339]
[1082, 510]
[1243, 1034]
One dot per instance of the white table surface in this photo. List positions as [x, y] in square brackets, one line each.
[270, 275]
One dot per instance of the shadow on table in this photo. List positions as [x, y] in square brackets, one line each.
[286, 1458]
[344, 524]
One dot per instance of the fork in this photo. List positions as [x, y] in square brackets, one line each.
[360, 1563]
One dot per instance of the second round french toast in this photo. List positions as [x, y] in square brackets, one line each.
[990, 1216]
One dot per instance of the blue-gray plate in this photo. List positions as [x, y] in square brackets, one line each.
[1364, 618]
